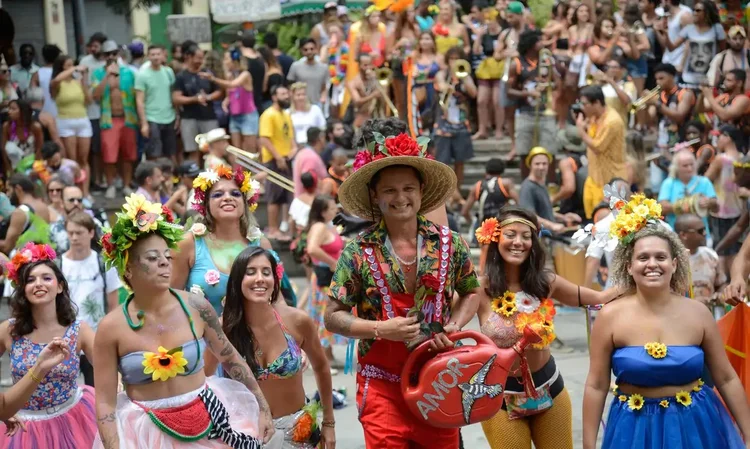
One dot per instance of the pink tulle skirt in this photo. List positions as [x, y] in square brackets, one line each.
[137, 431]
[71, 427]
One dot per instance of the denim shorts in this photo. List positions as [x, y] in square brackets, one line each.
[245, 124]
[637, 68]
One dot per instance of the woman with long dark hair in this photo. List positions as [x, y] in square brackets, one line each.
[705, 38]
[581, 35]
[400, 45]
[517, 291]
[324, 246]
[274, 75]
[271, 337]
[23, 137]
[42, 312]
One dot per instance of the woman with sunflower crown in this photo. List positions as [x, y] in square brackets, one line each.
[516, 293]
[157, 342]
[225, 200]
[657, 345]
[42, 311]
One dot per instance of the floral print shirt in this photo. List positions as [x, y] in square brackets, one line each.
[354, 285]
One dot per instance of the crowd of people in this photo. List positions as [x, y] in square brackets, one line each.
[629, 123]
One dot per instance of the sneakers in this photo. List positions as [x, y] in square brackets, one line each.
[284, 227]
[111, 192]
[127, 191]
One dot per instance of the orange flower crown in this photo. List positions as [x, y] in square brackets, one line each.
[30, 253]
[490, 229]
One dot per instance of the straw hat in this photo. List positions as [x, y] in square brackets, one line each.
[439, 179]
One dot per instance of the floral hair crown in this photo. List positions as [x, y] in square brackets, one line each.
[489, 231]
[382, 147]
[742, 165]
[248, 186]
[630, 217]
[30, 253]
[139, 216]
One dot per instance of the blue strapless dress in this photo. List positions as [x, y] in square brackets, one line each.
[664, 423]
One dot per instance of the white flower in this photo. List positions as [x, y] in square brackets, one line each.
[198, 229]
[254, 187]
[210, 175]
[254, 233]
[196, 289]
[582, 234]
[526, 303]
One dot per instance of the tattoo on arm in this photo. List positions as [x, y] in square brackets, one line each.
[221, 347]
[106, 419]
[238, 370]
[338, 318]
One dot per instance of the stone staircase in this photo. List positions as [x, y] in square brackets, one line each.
[484, 150]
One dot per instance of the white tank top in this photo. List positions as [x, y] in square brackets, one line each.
[45, 76]
[675, 56]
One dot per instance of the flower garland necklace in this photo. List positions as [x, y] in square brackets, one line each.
[528, 310]
[338, 58]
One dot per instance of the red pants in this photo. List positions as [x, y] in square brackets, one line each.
[388, 423]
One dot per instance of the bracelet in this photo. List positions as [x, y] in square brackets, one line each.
[579, 296]
[328, 423]
[33, 376]
[377, 336]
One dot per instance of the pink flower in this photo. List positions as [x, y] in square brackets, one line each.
[280, 270]
[212, 277]
[361, 159]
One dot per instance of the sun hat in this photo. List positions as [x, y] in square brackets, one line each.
[216, 134]
[571, 140]
[439, 179]
[535, 152]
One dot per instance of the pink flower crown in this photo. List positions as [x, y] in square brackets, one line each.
[30, 253]
[248, 186]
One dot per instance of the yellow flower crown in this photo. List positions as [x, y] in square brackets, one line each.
[633, 216]
[248, 186]
[743, 165]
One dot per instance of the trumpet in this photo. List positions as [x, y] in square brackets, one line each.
[642, 102]
[548, 61]
[460, 69]
[384, 76]
[506, 69]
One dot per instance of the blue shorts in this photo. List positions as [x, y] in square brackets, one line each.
[637, 68]
[245, 124]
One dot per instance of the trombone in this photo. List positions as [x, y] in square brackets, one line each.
[460, 69]
[546, 62]
[248, 160]
[508, 60]
[384, 76]
[642, 102]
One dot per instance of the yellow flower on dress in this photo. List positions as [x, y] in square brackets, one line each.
[664, 403]
[622, 398]
[635, 402]
[656, 350]
[698, 387]
[509, 296]
[508, 309]
[165, 364]
[137, 204]
[683, 397]
[497, 304]
[523, 320]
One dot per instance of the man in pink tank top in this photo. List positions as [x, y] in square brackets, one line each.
[401, 275]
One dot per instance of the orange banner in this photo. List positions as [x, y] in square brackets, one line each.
[737, 342]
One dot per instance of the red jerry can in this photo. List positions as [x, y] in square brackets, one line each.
[463, 385]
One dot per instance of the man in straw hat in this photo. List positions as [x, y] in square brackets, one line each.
[401, 275]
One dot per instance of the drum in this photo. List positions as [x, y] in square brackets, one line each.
[570, 264]
[463, 385]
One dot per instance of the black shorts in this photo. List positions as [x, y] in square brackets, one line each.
[96, 137]
[162, 141]
[719, 228]
[274, 193]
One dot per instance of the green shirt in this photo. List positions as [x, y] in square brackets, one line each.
[157, 88]
[127, 93]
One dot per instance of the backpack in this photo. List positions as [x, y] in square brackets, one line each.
[492, 196]
[102, 272]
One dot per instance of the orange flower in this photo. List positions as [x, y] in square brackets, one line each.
[303, 428]
[224, 171]
[547, 309]
[488, 232]
[619, 204]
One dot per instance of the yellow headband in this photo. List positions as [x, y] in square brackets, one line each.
[512, 220]
[742, 165]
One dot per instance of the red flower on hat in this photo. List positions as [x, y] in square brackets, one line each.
[168, 216]
[107, 244]
[361, 159]
[402, 145]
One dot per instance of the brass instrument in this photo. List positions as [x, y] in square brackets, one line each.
[508, 60]
[459, 69]
[544, 77]
[643, 101]
[384, 76]
[637, 28]
[690, 204]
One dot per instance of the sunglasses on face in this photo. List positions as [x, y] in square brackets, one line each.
[75, 200]
[701, 231]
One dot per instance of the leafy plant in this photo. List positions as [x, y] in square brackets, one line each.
[542, 11]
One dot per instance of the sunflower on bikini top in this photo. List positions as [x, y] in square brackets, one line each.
[527, 310]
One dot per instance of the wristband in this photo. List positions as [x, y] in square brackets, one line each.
[328, 423]
[377, 336]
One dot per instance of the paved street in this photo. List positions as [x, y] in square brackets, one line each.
[570, 327]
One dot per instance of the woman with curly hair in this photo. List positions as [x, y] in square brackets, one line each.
[516, 292]
[657, 343]
[60, 414]
[271, 338]
[224, 200]
[168, 402]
